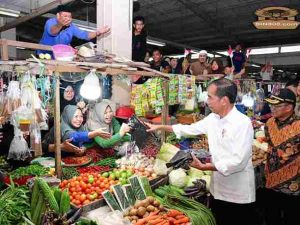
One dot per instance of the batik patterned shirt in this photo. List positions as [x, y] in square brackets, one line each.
[283, 160]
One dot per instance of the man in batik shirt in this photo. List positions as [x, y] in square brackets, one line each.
[283, 161]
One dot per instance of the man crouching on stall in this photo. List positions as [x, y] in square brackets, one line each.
[230, 136]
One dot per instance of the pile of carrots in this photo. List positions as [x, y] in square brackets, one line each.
[172, 217]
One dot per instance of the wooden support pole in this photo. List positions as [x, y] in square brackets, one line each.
[4, 50]
[57, 132]
[165, 109]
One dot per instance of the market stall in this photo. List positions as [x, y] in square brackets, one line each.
[152, 183]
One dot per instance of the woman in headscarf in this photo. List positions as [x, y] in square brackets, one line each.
[73, 132]
[101, 115]
[217, 66]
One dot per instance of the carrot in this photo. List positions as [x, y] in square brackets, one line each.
[164, 222]
[155, 221]
[171, 219]
[180, 217]
[154, 213]
[174, 212]
[182, 220]
[148, 218]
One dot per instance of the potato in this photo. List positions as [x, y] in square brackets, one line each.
[150, 208]
[156, 203]
[141, 211]
[134, 218]
[151, 199]
[133, 212]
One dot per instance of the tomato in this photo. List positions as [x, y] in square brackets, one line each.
[107, 186]
[91, 197]
[86, 202]
[85, 179]
[77, 197]
[88, 191]
[89, 185]
[77, 202]
[82, 197]
[72, 184]
[74, 194]
[72, 189]
[111, 182]
[65, 182]
[98, 182]
[74, 201]
[78, 189]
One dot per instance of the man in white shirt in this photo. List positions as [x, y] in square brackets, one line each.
[230, 136]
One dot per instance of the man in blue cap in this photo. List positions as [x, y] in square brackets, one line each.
[61, 30]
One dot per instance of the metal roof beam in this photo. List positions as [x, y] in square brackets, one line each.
[46, 8]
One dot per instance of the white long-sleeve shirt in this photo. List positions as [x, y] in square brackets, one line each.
[230, 144]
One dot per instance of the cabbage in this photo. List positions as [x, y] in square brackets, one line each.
[160, 167]
[207, 172]
[167, 152]
[178, 178]
[193, 172]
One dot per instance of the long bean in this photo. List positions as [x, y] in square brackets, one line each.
[198, 213]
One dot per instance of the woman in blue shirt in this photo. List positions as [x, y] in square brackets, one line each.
[73, 132]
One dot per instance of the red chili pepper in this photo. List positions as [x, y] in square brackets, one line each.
[93, 169]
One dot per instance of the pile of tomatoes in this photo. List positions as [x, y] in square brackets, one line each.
[87, 187]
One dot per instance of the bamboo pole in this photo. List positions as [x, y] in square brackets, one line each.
[165, 109]
[57, 132]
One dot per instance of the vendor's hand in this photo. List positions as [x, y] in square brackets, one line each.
[152, 127]
[68, 147]
[125, 128]
[196, 163]
[63, 21]
[80, 151]
[103, 30]
[81, 105]
[103, 134]
[2, 120]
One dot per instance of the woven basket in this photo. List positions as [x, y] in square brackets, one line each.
[187, 118]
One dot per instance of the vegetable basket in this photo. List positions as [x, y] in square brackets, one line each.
[187, 118]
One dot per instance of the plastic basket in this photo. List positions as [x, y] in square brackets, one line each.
[63, 52]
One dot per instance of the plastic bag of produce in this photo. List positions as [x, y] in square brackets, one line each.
[115, 217]
[18, 149]
[167, 152]
[13, 96]
[160, 167]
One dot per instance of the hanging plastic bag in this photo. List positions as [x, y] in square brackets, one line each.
[22, 118]
[13, 96]
[18, 149]
[35, 139]
[27, 90]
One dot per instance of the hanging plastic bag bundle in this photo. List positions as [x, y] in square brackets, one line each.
[18, 149]
[22, 118]
[13, 96]
[35, 139]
